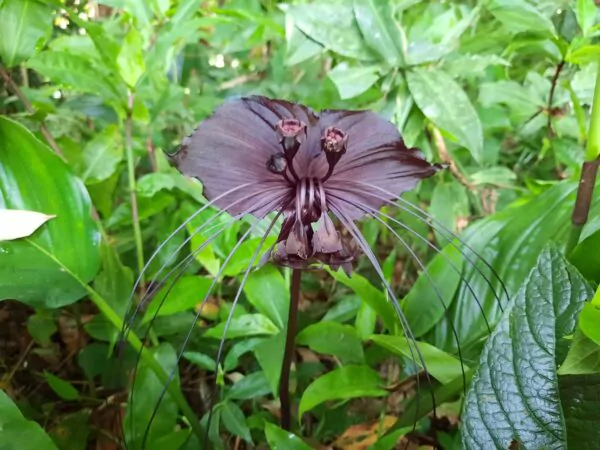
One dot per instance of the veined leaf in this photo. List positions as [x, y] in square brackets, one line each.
[514, 394]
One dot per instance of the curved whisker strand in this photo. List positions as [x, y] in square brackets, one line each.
[410, 339]
[196, 317]
[431, 221]
[373, 212]
[179, 270]
[236, 299]
[127, 325]
[173, 234]
[370, 210]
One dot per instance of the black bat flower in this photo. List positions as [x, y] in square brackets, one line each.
[317, 174]
[256, 156]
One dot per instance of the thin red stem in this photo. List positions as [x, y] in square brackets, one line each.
[288, 355]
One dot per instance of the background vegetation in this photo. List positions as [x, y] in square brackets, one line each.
[94, 93]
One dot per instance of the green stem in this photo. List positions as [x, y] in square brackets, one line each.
[589, 171]
[137, 345]
[137, 231]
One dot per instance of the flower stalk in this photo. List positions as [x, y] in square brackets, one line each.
[288, 355]
[589, 171]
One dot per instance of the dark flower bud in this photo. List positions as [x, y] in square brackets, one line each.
[333, 143]
[277, 163]
[334, 140]
[290, 133]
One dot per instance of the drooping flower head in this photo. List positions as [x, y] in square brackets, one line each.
[256, 155]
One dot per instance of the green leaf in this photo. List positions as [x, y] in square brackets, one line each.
[146, 391]
[341, 384]
[449, 203]
[583, 357]
[234, 421]
[24, 26]
[268, 292]
[102, 155]
[75, 72]
[269, 354]
[584, 54]
[380, 30]
[131, 58]
[16, 432]
[520, 15]
[427, 301]
[579, 396]
[246, 325]
[589, 321]
[514, 394]
[41, 326]
[441, 365]
[586, 13]
[251, 386]
[17, 224]
[279, 439]
[369, 294]
[332, 25]
[299, 46]
[246, 253]
[499, 176]
[332, 338]
[510, 241]
[445, 103]
[353, 81]
[63, 388]
[72, 431]
[187, 293]
[41, 270]
[201, 360]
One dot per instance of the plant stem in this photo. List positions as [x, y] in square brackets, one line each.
[14, 87]
[137, 231]
[589, 171]
[288, 355]
[137, 345]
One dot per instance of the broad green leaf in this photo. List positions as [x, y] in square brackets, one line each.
[441, 365]
[102, 155]
[269, 354]
[24, 25]
[589, 321]
[584, 54]
[41, 270]
[16, 432]
[131, 58]
[369, 294]
[17, 224]
[427, 301]
[332, 338]
[586, 13]
[279, 439]
[332, 25]
[41, 326]
[366, 321]
[63, 388]
[201, 360]
[175, 440]
[579, 396]
[299, 46]
[234, 421]
[72, 431]
[380, 30]
[75, 72]
[583, 357]
[499, 176]
[187, 293]
[449, 203]
[353, 81]
[514, 394]
[510, 241]
[246, 254]
[341, 384]
[251, 386]
[520, 16]
[143, 401]
[445, 103]
[246, 325]
[238, 350]
[151, 183]
[268, 292]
